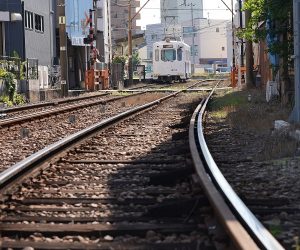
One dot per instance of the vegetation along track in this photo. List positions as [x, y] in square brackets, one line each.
[127, 187]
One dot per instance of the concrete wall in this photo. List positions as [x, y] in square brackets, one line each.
[38, 44]
[212, 37]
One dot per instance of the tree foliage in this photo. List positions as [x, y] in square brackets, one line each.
[272, 20]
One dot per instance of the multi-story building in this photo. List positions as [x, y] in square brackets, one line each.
[104, 30]
[212, 41]
[78, 28]
[11, 20]
[119, 18]
[176, 12]
[39, 24]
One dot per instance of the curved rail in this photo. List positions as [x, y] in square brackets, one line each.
[53, 149]
[244, 228]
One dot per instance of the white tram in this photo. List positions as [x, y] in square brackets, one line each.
[171, 61]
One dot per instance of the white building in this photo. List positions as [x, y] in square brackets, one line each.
[104, 43]
[175, 12]
[212, 38]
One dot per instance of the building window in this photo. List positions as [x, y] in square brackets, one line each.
[157, 55]
[168, 55]
[217, 29]
[179, 54]
[188, 31]
[194, 50]
[223, 48]
[154, 37]
[39, 22]
[28, 20]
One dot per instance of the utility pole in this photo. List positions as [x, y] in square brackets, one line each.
[193, 38]
[241, 27]
[63, 48]
[130, 73]
[233, 44]
[241, 64]
[130, 19]
[249, 56]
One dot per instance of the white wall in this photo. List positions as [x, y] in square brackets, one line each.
[212, 36]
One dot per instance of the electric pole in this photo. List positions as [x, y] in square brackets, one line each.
[130, 73]
[249, 56]
[63, 48]
[193, 38]
[241, 27]
[232, 27]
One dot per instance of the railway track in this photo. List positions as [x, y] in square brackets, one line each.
[23, 135]
[123, 200]
[269, 190]
[26, 137]
[129, 186]
[19, 110]
[20, 114]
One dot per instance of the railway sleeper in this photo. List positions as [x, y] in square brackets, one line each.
[105, 246]
[170, 178]
[177, 208]
[98, 229]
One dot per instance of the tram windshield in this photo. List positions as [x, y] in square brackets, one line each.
[168, 55]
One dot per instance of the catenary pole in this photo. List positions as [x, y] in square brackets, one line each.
[63, 48]
[130, 69]
[193, 38]
[233, 41]
[249, 55]
[130, 19]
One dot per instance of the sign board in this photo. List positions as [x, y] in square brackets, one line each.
[4, 16]
[77, 20]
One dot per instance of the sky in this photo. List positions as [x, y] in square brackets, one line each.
[213, 9]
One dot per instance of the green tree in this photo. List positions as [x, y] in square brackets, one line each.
[135, 60]
[273, 19]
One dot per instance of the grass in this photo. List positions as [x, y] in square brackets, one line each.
[257, 117]
[230, 99]
[120, 93]
[275, 230]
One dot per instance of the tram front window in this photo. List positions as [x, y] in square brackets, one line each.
[168, 55]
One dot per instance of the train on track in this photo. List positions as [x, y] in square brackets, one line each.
[171, 61]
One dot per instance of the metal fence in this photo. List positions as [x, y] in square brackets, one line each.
[54, 75]
[32, 66]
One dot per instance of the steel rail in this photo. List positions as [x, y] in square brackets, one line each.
[57, 147]
[46, 104]
[45, 113]
[244, 228]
